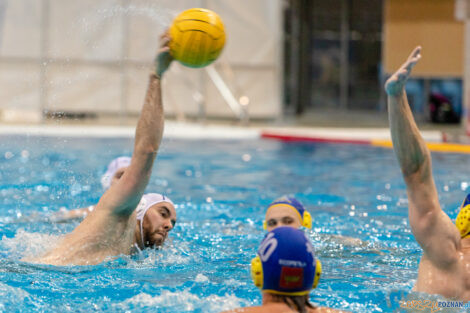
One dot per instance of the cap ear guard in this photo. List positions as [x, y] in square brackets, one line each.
[463, 221]
[307, 220]
[257, 272]
[265, 225]
[317, 274]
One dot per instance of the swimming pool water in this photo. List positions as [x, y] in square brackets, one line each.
[221, 189]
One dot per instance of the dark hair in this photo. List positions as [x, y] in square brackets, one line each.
[298, 303]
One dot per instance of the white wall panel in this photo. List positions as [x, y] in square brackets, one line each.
[19, 86]
[147, 20]
[252, 30]
[20, 28]
[86, 29]
[100, 53]
[79, 88]
[260, 86]
[179, 87]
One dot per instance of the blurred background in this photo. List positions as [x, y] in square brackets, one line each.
[286, 62]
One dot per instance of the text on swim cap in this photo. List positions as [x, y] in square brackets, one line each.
[293, 263]
[267, 247]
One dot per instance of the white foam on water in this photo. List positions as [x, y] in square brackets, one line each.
[184, 301]
[168, 255]
[200, 278]
[14, 297]
[235, 283]
[26, 245]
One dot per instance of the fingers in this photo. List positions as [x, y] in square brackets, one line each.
[416, 52]
[402, 74]
[165, 40]
[166, 33]
[414, 57]
[412, 62]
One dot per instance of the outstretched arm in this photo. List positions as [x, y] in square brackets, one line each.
[123, 197]
[432, 228]
[64, 216]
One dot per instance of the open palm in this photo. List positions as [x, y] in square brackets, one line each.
[395, 84]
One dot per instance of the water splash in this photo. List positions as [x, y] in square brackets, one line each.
[182, 301]
[28, 245]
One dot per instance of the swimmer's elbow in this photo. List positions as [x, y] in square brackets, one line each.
[134, 184]
[417, 171]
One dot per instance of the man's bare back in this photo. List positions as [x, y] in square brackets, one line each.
[445, 266]
[108, 230]
[100, 236]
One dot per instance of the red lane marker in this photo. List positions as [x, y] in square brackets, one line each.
[313, 139]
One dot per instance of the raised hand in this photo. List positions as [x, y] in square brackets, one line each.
[163, 58]
[395, 85]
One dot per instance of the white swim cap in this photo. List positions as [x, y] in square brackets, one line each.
[113, 167]
[147, 201]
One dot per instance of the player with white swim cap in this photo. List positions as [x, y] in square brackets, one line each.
[155, 216]
[155, 226]
[109, 230]
[114, 171]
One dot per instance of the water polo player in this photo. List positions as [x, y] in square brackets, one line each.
[286, 211]
[444, 266]
[109, 230]
[155, 216]
[285, 270]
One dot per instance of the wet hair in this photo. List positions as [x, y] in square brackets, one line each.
[298, 303]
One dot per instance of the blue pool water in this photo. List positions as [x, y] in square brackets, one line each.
[221, 189]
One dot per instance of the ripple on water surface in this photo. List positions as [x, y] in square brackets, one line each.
[355, 194]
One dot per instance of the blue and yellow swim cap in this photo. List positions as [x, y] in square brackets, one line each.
[286, 263]
[463, 219]
[304, 217]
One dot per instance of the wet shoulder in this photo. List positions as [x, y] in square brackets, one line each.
[280, 308]
[269, 308]
[326, 310]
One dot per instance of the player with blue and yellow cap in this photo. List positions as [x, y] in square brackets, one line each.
[286, 211]
[286, 270]
[463, 218]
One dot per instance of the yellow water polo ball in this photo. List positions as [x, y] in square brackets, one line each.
[197, 37]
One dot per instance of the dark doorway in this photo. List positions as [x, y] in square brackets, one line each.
[332, 55]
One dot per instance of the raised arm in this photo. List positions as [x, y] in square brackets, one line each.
[432, 228]
[123, 196]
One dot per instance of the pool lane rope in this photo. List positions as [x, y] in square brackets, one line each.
[433, 146]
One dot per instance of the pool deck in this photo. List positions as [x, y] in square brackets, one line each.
[190, 130]
[330, 127]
